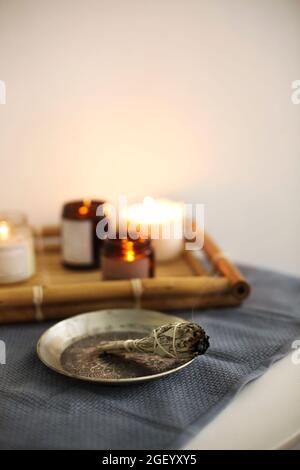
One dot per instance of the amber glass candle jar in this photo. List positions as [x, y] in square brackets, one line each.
[127, 259]
[80, 244]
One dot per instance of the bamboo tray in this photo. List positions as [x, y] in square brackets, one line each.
[55, 292]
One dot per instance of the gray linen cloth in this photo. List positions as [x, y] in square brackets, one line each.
[40, 409]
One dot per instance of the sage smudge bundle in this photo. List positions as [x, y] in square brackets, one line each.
[180, 340]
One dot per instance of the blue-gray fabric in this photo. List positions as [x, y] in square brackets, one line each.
[40, 409]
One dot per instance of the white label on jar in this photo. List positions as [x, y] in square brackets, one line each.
[16, 262]
[113, 268]
[77, 241]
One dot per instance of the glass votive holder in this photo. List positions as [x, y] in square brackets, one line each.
[127, 259]
[17, 256]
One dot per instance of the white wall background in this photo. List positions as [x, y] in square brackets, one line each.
[189, 99]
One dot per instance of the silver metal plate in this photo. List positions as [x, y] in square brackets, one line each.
[69, 347]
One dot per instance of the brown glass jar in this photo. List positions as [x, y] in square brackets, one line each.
[127, 259]
[80, 244]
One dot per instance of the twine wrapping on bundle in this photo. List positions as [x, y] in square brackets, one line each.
[180, 341]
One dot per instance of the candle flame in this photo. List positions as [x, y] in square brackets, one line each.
[154, 211]
[4, 230]
[130, 256]
[129, 251]
[84, 209]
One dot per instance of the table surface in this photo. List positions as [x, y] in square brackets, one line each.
[264, 415]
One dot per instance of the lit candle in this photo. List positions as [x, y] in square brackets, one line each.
[17, 259]
[4, 230]
[80, 245]
[162, 220]
[127, 259]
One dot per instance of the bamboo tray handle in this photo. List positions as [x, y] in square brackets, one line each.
[240, 287]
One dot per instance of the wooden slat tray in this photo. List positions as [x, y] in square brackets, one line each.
[55, 292]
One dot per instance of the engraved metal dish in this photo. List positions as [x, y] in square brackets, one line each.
[70, 347]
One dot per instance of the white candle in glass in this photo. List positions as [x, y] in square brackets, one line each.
[17, 259]
[162, 219]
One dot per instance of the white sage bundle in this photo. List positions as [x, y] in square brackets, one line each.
[181, 340]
